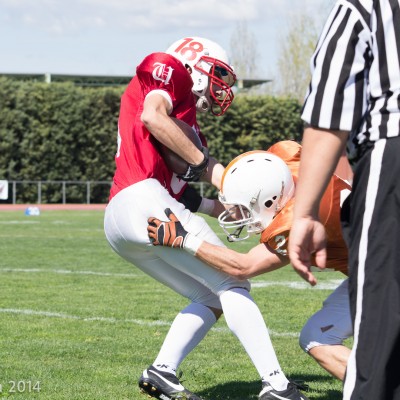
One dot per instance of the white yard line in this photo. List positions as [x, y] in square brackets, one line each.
[256, 284]
[68, 272]
[49, 314]
[327, 285]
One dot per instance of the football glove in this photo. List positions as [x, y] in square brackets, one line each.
[167, 233]
[194, 172]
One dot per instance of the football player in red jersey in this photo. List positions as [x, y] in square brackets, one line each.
[259, 188]
[192, 75]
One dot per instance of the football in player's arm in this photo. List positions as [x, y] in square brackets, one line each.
[257, 189]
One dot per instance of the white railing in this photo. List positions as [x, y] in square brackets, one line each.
[15, 187]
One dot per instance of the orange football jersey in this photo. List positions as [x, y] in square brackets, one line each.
[277, 233]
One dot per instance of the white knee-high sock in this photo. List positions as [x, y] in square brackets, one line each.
[246, 322]
[187, 330]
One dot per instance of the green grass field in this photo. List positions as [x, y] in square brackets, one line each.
[78, 322]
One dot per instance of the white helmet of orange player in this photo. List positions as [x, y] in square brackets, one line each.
[211, 73]
[255, 186]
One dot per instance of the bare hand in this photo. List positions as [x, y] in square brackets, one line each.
[307, 247]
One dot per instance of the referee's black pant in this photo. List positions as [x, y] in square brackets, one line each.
[371, 225]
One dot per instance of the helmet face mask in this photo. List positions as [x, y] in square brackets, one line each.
[220, 82]
[255, 187]
[235, 219]
[211, 73]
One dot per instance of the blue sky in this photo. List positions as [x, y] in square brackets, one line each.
[110, 37]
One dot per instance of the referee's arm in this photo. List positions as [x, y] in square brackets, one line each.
[320, 154]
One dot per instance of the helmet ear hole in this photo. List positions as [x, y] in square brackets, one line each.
[268, 203]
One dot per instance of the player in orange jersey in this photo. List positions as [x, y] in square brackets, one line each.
[258, 192]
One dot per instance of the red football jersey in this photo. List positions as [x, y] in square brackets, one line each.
[137, 156]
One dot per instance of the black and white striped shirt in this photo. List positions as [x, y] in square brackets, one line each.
[355, 83]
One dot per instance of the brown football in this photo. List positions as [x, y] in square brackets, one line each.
[174, 162]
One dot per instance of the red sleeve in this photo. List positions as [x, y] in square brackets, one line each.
[165, 72]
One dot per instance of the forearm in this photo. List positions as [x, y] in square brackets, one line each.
[214, 173]
[156, 119]
[321, 150]
[218, 209]
[319, 156]
[257, 261]
[171, 233]
[223, 259]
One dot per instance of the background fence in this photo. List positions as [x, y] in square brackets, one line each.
[64, 192]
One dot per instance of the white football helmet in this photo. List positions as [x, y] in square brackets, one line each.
[211, 73]
[256, 185]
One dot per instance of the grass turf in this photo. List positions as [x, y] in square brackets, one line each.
[78, 322]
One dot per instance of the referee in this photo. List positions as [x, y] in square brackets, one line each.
[354, 100]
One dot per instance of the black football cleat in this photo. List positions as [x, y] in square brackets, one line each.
[164, 386]
[290, 393]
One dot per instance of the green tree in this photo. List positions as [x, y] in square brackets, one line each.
[60, 131]
[244, 52]
[297, 48]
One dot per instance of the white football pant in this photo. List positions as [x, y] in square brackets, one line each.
[125, 225]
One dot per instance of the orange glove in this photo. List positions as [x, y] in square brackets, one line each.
[167, 233]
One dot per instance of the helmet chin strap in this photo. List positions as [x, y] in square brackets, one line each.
[235, 235]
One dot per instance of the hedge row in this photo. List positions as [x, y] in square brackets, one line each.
[60, 131]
